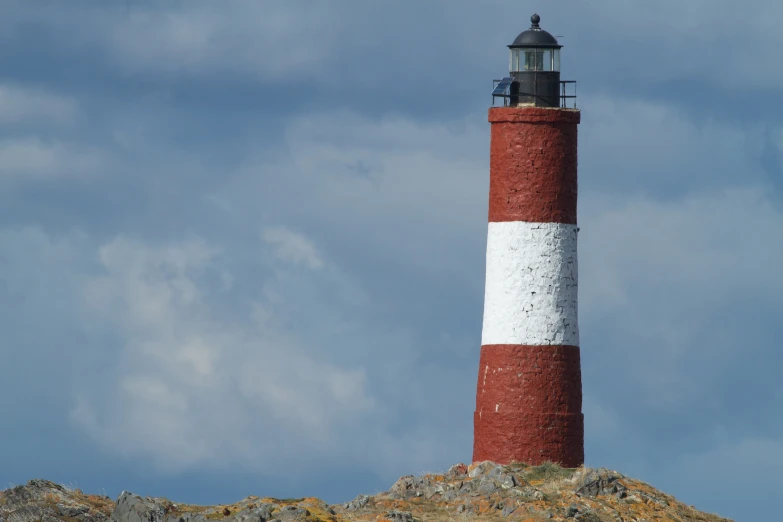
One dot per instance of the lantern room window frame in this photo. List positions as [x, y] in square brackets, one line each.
[545, 59]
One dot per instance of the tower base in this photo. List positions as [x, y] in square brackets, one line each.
[529, 437]
[529, 402]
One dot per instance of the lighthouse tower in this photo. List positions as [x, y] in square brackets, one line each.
[529, 393]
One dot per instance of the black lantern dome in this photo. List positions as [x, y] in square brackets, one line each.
[535, 37]
[534, 72]
[534, 64]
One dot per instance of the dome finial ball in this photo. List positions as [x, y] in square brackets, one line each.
[535, 19]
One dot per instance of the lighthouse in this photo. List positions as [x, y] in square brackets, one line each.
[529, 391]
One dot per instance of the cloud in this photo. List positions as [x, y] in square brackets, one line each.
[322, 315]
[675, 301]
[632, 145]
[394, 190]
[30, 258]
[19, 104]
[35, 158]
[245, 36]
[666, 295]
[264, 385]
[29, 113]
[339, 329]
[293, 247]
[715, 240]
[266, 40]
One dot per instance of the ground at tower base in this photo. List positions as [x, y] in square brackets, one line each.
[481, 491]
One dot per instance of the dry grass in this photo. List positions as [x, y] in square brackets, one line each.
[546, 472]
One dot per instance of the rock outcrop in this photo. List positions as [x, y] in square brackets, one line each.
[482, 491]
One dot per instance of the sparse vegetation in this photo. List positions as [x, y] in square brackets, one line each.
[491, 493]
[547, 471]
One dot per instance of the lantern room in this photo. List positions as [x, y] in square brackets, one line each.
[534, 70]
[535, 50]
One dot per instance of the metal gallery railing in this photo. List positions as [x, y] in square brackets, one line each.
[501, 88]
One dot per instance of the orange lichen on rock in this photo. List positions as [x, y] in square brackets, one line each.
[481, 491]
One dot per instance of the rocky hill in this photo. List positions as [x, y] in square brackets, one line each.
[483, 491]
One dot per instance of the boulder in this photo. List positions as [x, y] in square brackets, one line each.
[398, 516]
[600, 481]
[133, 508]
[291, 514]
[359, 502]
[481, 468]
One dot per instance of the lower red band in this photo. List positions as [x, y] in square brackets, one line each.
[529, 405]
[529, 437]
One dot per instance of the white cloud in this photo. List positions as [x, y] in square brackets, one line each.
[280, 40]
[19, 104]
[32, 158]
[720, 242]
[659, 279]
[392, 188]
[405, 193]
[658, 273]
[266, 39]
[673, 44]
[250, 37]
[195, 390]
[292, 246]
[31, 265]
[631, 145]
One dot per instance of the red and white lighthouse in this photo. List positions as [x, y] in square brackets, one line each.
[529, 393]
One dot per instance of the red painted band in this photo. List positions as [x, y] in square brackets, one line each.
[533, 165]
[529, 379]
[533, 438]
[529, 405]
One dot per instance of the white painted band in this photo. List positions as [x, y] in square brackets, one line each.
[530, 295]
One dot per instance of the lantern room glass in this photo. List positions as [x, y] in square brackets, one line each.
[534, 59]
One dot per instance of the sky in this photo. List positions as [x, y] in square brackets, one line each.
[242, 243]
